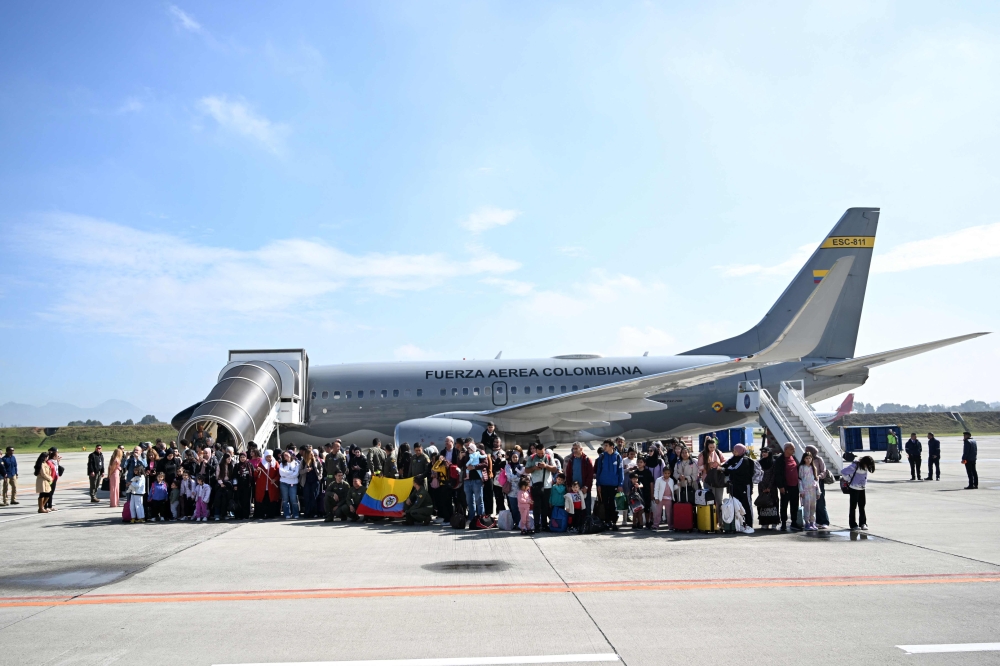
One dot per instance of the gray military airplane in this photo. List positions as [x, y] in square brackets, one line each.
[809, 334]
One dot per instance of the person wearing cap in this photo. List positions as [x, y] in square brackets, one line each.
[933, 457]
[739, 469]
[970, 451]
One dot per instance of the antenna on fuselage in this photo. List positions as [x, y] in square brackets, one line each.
[498, 354]
[646, 354]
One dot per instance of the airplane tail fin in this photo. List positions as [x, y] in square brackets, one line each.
[845, 407]
[852, 236]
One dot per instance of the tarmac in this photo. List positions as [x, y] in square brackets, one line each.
[79, 587]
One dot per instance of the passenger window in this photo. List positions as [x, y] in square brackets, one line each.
[475, 390]
[336, 395]
[348, 395]
[576, 388]
[586, 386]
[384, 393]
[465, 391]
[395, 393]
[371, 394]
[444, 392]
[538, 390]
[487, 390]
[499, 389]
[552, 389]
[313, 395]
[420, 393]
[326, 394]
[513, 390]
[407, 393]
[527, 389]
[361, 394]
[562, 389]
[454, 392]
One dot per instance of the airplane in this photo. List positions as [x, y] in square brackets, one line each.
[826, 418]
[808, 335]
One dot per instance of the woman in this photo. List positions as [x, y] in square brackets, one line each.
[43, 481]
[856, 474]
[243, 484]
[309, 483]
[438, 487]
[57, 471]
[114, 476]
[655, 461]
[824, 477]
[357, 466]
[712, 475]
[169, 467]
[288, 472]
[403, 461]
[767, 491]
[808, 490]
[514, 471]
[222, 496]
[686, 476]
[267, 495]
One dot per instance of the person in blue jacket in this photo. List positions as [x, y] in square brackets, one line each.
[933, 457]
[609, 473]
[8, 471]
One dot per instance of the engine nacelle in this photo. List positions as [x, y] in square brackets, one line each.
[433, 431]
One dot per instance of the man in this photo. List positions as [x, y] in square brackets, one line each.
[450, 453]
[95, 470]
[739, 469]
[970, 451]
[610, 475]
[579, 469]
[389, 468]
[491, 489]
[9, 465]
[335, 461]
[490, 436]
[892, 448]
[337, 494]
[376, 457]
[418, 508]
[933, 457]
[913, 450]
[420, 463]
[540, 466]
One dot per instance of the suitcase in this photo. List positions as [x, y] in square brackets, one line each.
[557, 522]
[706, 518]
[106, 484]
[126, 512]
[683, 517]
[800, 520]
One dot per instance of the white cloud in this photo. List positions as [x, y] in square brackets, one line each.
[516, 287]
[184, 20]
[633, 341]
[238, 117]
[488, 217]
[787, 267]
[113, 278]
[572, 251]
[959, 247]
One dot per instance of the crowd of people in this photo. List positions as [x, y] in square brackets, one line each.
[466, 483]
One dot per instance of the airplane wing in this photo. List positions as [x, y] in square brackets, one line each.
[613, 402]
[872, 360]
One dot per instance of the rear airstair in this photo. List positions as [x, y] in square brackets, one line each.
[791, 420]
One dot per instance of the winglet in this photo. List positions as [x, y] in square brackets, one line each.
[498, 354]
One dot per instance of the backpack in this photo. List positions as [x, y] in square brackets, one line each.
[453, 473]
[758, 473]
[458, 520]
[594, 525]
[557, 522]
[483, 523]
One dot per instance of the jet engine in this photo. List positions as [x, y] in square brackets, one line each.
[433, 431]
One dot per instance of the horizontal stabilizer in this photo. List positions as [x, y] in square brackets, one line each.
[873, 360]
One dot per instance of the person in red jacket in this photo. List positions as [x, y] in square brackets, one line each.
[267, 494]
[788, 483]
[578, 468]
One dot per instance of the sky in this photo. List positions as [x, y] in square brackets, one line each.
[403, 181]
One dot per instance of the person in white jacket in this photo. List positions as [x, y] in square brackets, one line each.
[663, 498]
[288, 474]
[137, 491]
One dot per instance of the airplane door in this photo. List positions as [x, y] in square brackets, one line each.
[499, 393]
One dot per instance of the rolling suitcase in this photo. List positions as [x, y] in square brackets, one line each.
[706, 518]
[683, 516]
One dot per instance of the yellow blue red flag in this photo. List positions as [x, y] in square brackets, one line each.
[385, 497]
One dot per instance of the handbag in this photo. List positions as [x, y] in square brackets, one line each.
[716, 478]
[502, 477]
[845, 484]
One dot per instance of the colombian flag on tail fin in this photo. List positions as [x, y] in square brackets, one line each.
[385, 497]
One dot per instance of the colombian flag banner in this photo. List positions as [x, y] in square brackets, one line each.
[385, 497]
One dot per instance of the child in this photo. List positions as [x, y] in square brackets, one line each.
[158, 495]
[137, 493]
[635, 504]
[557, 494]
[188, 496]
[663, 498]
[808, 490]
[574, 500]
[175, 499]
[524, 505]
[646, 483]
[202, 494]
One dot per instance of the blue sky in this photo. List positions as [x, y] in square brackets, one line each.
[394, 181]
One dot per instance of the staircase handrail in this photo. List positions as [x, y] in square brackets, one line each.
[786, 427]
[796, 402]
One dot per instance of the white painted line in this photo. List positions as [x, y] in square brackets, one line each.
[456, 661]
[10, 520]
[950, 647]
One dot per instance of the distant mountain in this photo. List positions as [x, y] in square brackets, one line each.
[61, 413]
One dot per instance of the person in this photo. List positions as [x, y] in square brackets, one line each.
[188, 495]
[200, 438]
[57, 471]
[309, 472]
[137, 495]
[610, 475]
[540, 467]
[159, 496]
[808, 490]
[9, 463]
[490, 436]
[933, 457]
[357, 465]
[337, 492]
[739, 469]
[474, 468]
[914, 450]
[825, 477]
[223, 487]
[646, 483]
[376, 457]
[354, 499]
[420, 463]
[202, 496]
[856, 472]
[288, 472]
[418, 507]
[43, 481]
[579, 468]
[524, 501]
[175, 499]
[557, 493]
[970, 452]
[686, 476]
[114, 476]
[451, 454]
[514, 471]
[493, 491]
[575, 503]
[243, 486]
[335, 460]
[267, 492]
[654, 460]
[440, 488]
[663, 498]
[95, 471]
[768, 490]
[789, 489]
[403, 461]
[892, 448]
[712, 475]
[169, 465]
[390, 468]
[629, 461]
